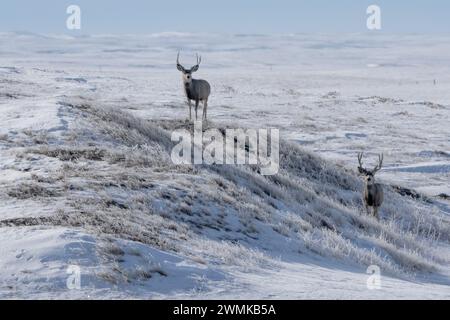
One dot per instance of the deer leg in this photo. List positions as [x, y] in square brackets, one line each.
[205, 107]
[375, 213]
[196, 108]
[190, 109]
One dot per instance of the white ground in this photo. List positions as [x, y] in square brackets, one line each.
[83, 185]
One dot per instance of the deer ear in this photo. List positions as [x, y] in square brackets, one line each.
[180, 67]
[194, 68]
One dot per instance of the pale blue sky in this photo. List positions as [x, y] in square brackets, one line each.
[230, 16]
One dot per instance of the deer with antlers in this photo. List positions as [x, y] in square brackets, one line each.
[373, 192]
[195, 89]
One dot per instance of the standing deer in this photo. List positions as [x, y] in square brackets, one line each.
[195, 89]
[373, 192]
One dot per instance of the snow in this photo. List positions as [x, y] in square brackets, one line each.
[36, 262]
[86, 179]
[313, 281]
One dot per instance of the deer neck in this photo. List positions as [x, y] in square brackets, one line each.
[188, 85]
[188, 90]
[370, 186]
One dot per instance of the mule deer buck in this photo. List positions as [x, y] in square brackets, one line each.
[373, 192]
[195, 89]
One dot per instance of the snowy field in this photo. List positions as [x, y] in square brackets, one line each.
[86, 178]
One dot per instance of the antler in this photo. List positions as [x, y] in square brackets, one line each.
[360, 167]
[360, 155]
[379, 165]
[199, 60]
[179, 66]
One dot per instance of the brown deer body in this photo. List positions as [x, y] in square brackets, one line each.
[195, 89]
[373, 192]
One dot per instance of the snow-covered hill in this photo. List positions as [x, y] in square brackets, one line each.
[87, 182]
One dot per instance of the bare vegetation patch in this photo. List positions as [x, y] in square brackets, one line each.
[32, 190]
[72, 154]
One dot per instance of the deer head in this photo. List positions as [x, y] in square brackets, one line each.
[369, 174]
[187, 73]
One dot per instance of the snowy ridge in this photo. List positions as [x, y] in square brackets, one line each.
[111, 176]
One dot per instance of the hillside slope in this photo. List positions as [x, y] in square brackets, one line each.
[94, 186]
